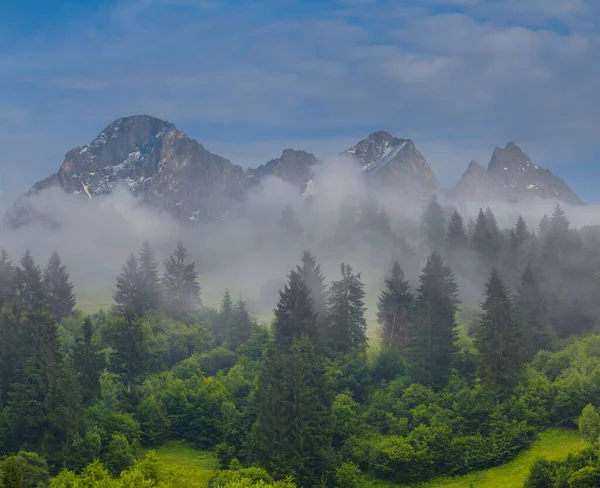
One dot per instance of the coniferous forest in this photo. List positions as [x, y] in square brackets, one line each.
[318, 397]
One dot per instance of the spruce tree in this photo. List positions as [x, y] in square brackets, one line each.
[294, 314]
[28, 284]
[313, 278]
[15, 347]
[241, 325]
[292, 432]
[58, 289]
[225, 319]
[433, 332]
[88, 362]
[532, 311]
[128, 293]
[486, 241]
[498, 339]
[434, 224]
[393, 306]
[457, 235]
[180, 285]
[7, 277]
[149, 278]
[346, 313]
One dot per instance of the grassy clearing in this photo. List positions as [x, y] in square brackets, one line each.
[180, 456]
[552, 444]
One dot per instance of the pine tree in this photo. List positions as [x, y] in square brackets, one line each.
[149, 278]
[434, 334]
[7, 277]
[313, 278]
[457, 234]
[28, 284]
[15, 347]
[35, 398]
[225, 319]
[127, 338]
[181, 288]
[394, 304]
[88, 362]
[294, 314]
[293, 431]
[241, 325]
[434, 223]
[486, 240]
[58, 289]
[532, 311]
[346, 313]
[498, 339]
[128, 293]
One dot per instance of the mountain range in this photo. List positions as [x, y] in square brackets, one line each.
[167, 169]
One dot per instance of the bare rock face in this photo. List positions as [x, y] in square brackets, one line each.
[511, 176]
[295, 167]
[394, 161]
[155, 161]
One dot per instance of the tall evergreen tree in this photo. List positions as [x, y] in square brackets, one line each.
[433, 337]
[241, 326]
[180, 283]
[486, 241]
[128, 293]
[532, 311]
[35, 398]
[58, 289]
[313, 278]
[457, 234]
[7, 277]
[125, 334]
[393, 306]
[149, 278]
[294, 314]
[28, 284]
[88, 362]
[292, 432]
[225, 319]
[15, 347]
[499, 339]
[346, 313]
[434, 224]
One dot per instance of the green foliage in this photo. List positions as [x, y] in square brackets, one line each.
[589, 425]
[180, 285]
[119, 455]
[393, 306]
[28, 467]
[433, 333]
[58, 289]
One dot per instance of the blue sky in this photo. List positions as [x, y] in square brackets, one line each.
[250, 78]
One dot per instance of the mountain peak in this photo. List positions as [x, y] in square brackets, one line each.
[294, 166]
[394, 160]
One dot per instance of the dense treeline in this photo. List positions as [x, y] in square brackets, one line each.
[305, 402]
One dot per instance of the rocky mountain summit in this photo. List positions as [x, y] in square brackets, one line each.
[511, 176]
[169, 170]
[394, 161]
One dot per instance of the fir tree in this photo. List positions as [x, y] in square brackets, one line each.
[181, 288]
[486, 240]
[435, 225]
[7, 277]
[149, 278]
[58, 289]
[241, 325]
[293, 431]
[532, 311]
[346, 313]
[294, 314]
[394, 304]
[35, 398]
[457, 234]
[225, 320]
[28, 284]
[313, 278]
[433, 330]
[88, 362]
[498, 339]
[128, 293]
[15, 346]
[126, 336]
